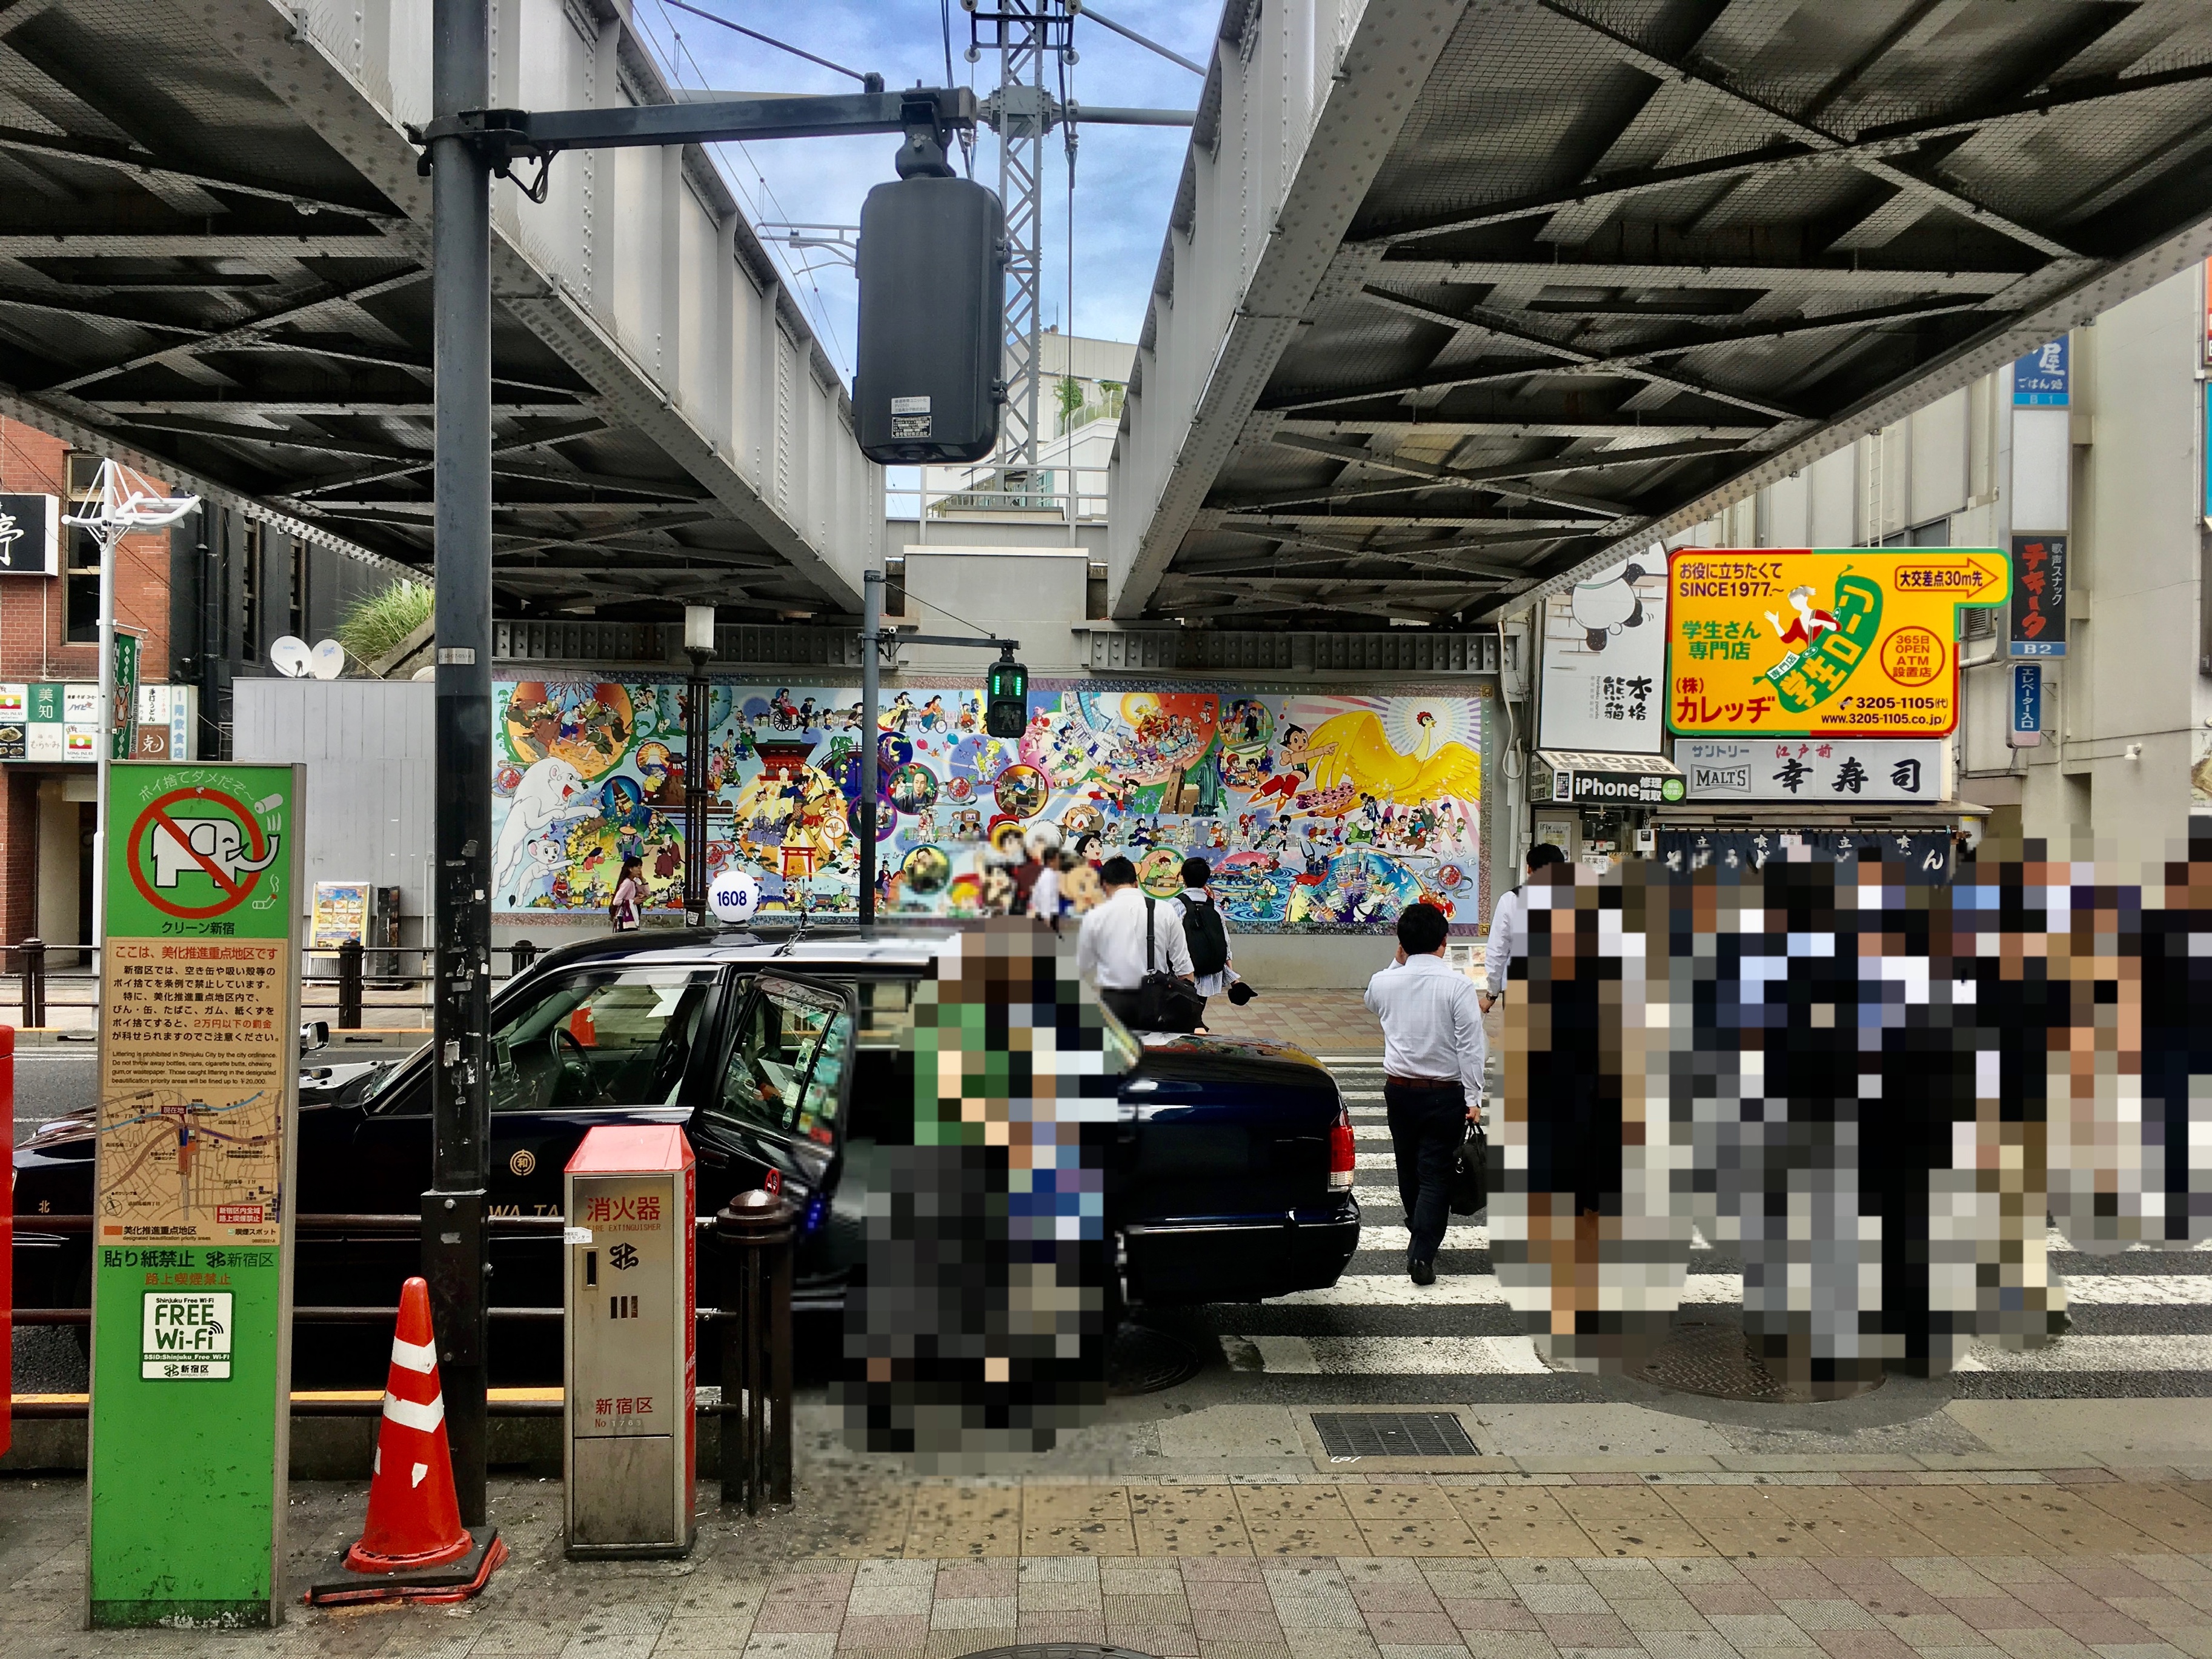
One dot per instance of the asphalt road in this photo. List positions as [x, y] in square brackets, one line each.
[2142, 1320]
[52, 1081]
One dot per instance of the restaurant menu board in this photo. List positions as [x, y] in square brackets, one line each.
[198, 1059]
[340, 914]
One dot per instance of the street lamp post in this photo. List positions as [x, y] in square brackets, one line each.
[698, 732]
[121, 501]
[872, 627]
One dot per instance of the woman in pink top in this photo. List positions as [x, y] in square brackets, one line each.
[629, 906]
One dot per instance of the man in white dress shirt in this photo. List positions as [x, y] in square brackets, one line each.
[1509, 927]
[1433, 1054]
[1110, 950]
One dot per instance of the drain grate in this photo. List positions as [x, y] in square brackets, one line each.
[1058, 1650]
[1708, 1355]
[1393, 1434]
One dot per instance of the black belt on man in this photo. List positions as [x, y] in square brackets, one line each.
[1423, 1082]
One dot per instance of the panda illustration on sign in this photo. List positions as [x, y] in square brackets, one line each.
[734, 896]
[1604, 607]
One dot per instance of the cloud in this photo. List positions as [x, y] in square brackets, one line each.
[1125, 177]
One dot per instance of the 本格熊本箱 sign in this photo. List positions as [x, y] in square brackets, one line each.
[1797, 642]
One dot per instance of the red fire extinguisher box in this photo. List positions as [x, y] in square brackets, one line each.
[631, 1452]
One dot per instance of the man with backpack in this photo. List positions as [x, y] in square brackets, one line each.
[1205, 930]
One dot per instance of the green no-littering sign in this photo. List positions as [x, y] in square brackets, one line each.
[192, 1195]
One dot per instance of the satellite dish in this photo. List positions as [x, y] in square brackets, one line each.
[327, 660]
[288, 656]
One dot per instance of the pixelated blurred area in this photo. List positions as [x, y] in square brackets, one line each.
[1589, 1243]
[980, 1332]
[1884, 1093]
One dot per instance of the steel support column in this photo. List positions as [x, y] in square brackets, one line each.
[1021, 50]
[452, 1210]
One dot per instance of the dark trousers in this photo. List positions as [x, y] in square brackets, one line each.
[1426, 1128]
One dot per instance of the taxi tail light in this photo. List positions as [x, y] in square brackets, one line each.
[1342, 1159]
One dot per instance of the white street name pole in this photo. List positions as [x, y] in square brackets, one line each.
[105, 752]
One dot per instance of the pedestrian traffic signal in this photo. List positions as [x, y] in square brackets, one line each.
[1007, 715]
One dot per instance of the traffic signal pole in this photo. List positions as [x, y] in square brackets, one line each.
[453, 1259]
[464, 144]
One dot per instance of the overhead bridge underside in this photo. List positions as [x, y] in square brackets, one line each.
[1460, 299]
[214, 261]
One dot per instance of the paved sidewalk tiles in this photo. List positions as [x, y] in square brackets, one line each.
[1960, 1567]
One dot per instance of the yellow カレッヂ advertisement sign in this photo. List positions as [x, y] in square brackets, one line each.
[1803, 642]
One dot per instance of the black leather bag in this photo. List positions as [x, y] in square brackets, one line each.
[1468, 1190]
[1164, 1002]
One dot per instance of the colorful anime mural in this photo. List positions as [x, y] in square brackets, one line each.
[1318, 812]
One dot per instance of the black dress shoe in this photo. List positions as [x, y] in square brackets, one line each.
[1422, 1272]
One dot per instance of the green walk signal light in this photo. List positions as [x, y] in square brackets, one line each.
[1007, 698]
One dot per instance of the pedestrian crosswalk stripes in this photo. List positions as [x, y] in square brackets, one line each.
[1516, 1356]
[1413, 1356]
[2072, 1354]
[2141, 1319]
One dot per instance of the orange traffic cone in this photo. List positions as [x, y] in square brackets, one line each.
[414, 1546]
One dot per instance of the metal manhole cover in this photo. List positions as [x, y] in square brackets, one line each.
[1142, 1361]
[1393, 1434]
[1057, 1650]
[1713, 1358]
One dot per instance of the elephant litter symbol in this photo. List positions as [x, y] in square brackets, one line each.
[202, 832]
[208, 844]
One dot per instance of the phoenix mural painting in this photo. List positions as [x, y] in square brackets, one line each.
[1318, 812]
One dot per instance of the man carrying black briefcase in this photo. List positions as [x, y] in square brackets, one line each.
[1433, 1053]
[1135, 956]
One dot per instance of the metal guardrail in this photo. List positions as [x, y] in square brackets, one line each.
[1395, 651]
[757, 1236]
[325, 1225]
[1073, 496]
[736, 645]
[354, 970]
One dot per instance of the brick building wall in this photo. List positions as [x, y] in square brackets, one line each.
[34, 610]
[35, 645]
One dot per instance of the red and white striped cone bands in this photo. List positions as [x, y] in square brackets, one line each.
[413, 1547]
[414, 1517]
